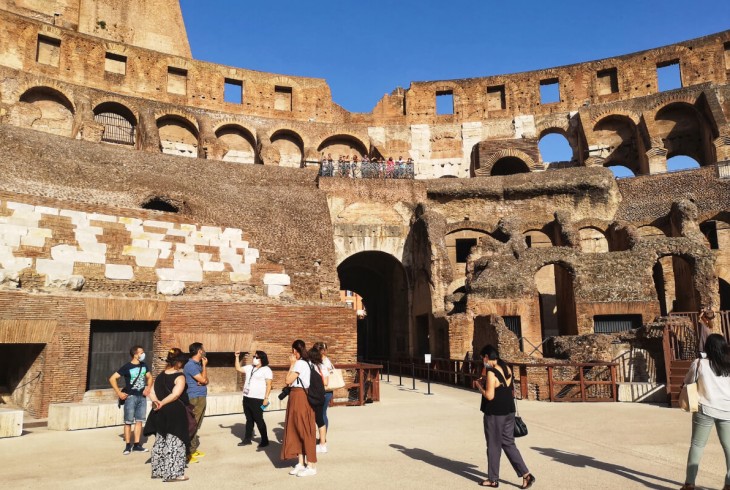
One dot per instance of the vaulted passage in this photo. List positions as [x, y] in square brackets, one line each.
[381, 281]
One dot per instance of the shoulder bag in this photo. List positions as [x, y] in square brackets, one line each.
[126, 389]
[520, 425]
[335, 380]
[689, 399]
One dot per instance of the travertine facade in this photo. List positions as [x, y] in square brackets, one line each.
[128, 176]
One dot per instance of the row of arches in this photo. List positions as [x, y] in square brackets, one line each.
[680, 134]
[49, 110]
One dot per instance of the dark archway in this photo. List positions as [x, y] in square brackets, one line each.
[724, 295]
[509, 166]
[556, 298]
[381, 281]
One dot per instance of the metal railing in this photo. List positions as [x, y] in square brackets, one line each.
[367, 170]
[558, 382]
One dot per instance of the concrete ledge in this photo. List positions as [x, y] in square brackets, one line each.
[642, 392]
[11, 422]
[92, 415]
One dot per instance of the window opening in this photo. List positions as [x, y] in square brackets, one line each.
[117, 129]
[444, 102]
[669, 76]
[115, 63]
[48, 51]
[233, 91]
[495, 98]
[177, 81]
[282, 98]
[463, 248]
[615, 323]
[549, 91]
[607, 81]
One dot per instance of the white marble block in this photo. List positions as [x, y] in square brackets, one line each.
[11, 422]
[120, 272]
[277, 279]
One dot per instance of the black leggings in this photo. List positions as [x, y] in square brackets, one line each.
[319, 416]
[253, 412]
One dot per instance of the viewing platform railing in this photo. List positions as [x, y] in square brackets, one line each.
[367, 170]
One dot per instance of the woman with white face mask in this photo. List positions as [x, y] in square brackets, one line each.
[256, 390]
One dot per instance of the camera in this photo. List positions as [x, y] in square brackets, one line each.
[284, 392]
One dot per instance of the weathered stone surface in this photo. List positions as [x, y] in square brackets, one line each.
[170, 288]
[119, 272]
[11, 423]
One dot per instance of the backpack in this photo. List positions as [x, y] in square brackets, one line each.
[315, 393]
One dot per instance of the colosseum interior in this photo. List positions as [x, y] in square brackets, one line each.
[137, 198]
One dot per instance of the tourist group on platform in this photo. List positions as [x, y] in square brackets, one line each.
[178, 396]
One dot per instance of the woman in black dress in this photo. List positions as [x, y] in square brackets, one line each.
[498, 406]
[169, 420]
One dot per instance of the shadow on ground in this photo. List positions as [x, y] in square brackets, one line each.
[582, 461]
[464, 470]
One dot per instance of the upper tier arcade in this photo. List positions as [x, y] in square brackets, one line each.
[99, 86]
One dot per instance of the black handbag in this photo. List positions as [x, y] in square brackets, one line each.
[520, 427]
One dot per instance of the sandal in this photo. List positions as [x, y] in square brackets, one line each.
[178, 478]
[528, 480]
[489, 483]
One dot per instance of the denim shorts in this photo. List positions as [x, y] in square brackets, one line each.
[135, 409]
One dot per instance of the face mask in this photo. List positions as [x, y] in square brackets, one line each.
[141, 357]
[256, 362]
[486, 363]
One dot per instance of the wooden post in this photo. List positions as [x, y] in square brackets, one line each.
[523, 382]
[550, 382]
[614, 387]
[361, 373]
[667, 360]
[582, 384]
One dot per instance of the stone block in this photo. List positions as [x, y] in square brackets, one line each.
[143, 257]
[273, 290]
[119, 272]
[165, 254]
[109, 415]
[232, 234]
[188, 227]
[186, 255]
[90, 257]
[160, 245]
[179, 275]
[211, 231]
[184, 247]
[213, 266]
[240, 276]
[158, 224]
[143, 235]
[9, 279]
[239, 244]
[9, 239]
[205, 257]
[65, 253]
[242, 268]
[135, 222]
[33, 241]
[176, 232]
[88, 230]
[170, 288]
[223, 404]
[11, 423]
[187, 265]
[15, 229]
[54, 270]
[102, 217]
[197, 240]
[277, 279]
[72, 416]
[16, 264]
[92, 247]
[19, 206]
[76, 283]
[6, 253]
[140, 244]
[29, 220]
[46, 210]
[217, 242]
[75, 216]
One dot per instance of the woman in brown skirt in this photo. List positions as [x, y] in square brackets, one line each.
[299, 426]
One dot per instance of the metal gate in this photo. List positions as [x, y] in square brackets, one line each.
[109, 348]
[117, 129]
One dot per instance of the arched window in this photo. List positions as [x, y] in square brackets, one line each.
[120, 125]
[592, 240]
[620, 171]
[681, 162]
[509, 166]
[554, 147]
[290, 146]
[178, 136]
[240, 144]
[55, 113]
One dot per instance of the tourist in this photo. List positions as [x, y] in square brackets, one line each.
[354, 166]
[169, 420]
[498, 406]
[196, 376]
[390, 166]
[299, 430]
[704, 327]
[315, 358]
[712, 375]
[137, 385]
[326, 369]
[256, 390]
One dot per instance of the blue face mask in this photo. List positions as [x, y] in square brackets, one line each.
[141, 357]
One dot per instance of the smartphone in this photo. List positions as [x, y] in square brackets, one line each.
[264, 407]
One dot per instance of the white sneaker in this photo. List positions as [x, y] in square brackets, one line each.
[321, 448]
[297, 469]
[307, 472]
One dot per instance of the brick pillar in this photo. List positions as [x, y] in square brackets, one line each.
[657, 158]
[722, 148]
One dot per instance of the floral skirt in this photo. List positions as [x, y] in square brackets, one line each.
[168, 457]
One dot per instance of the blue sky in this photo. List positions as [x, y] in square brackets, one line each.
[366, 49]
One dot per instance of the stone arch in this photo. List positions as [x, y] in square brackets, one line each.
[46, 109]
[509, 166]
[537, 239]
[650, 231]
[178, 136]
[290, 146]
[556, 298]
[620, 144]
[554, 133]
[343, 144]
[684, 130]
[523, 161]
[592, 240]
[239, 143]
[675, 283]
[381, 280]
[120, 123]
